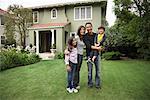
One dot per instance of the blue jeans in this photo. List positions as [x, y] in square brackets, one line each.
[77, 71]
[71, 75]
[97, 72]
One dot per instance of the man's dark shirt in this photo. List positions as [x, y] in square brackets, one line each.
[89, 41]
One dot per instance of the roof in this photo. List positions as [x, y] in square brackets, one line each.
[48, 25]
[68, 3]
[2, 12]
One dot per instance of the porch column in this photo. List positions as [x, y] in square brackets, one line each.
[37, 42]
[52, 30]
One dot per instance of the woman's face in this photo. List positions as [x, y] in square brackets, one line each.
[74, 42]
[82, 31]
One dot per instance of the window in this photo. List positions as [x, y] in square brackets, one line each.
[83, 13]
[35, 17]
[54, 13]
[2, 39]
[2, 20]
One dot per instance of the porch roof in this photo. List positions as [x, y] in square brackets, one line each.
[49, 25]
[2, 12]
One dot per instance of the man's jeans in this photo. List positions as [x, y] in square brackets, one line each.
[97, 71]
[71, 75]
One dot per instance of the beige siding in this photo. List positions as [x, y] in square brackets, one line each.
[96, 17]
[59, 39]
[31, 37]
[45, 16]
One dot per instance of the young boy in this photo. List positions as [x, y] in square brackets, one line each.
[98, 41]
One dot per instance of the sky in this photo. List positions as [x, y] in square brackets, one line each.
[110, 16]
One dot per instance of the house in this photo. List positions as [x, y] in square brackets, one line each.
[53, 24]
[2, 36]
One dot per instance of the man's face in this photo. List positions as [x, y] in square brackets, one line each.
[89, 28]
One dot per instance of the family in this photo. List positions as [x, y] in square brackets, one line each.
[74, 56]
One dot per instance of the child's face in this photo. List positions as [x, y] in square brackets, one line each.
[74, 42]
[101, 31]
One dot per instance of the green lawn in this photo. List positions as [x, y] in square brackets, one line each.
[46, 80]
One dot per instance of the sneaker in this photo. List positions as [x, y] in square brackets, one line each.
[75, 90]
[90, 85]
[98, 87]
[90, 61]
[78, 87]
[69, 90]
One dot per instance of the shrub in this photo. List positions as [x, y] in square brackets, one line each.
[111, 55]
[59, 55]
[12, 58]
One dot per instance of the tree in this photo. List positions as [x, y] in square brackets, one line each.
[20, 18]
[133, 21]
[9, 29]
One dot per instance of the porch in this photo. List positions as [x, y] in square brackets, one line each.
[49, 36]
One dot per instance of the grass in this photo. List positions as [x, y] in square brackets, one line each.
[46, 80]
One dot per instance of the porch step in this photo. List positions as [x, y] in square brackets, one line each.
[47, 56]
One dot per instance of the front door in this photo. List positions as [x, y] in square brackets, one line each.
[45, 41]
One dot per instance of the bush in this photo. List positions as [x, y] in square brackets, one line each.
[12, 58]
[59, 55]
[111, 55]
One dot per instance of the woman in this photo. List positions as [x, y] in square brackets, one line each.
[80, 47]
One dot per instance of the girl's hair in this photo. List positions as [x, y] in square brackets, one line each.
[70, 44]
[79, 29]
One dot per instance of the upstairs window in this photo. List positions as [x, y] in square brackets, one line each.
[83, 13]
[54, 13]
[35, 17]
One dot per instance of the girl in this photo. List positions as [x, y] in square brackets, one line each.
[71, 63]
[80, 47]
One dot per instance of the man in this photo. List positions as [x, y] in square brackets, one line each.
[89, 42]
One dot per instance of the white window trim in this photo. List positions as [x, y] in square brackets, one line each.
[37, 17]
[85, 13]
[52, 13]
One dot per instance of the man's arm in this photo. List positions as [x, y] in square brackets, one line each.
[89, 46]
[97, 48]
[87, 43]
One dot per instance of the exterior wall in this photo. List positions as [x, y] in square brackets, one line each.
[45, 16]
[59, 39]
[96, 17]
[1, 31]
[66, 14]
[31, 37]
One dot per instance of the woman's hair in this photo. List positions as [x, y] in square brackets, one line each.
[70, 44]
[79, 29]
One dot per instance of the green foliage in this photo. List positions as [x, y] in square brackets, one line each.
[132, 28]
[12, 58]
[111, 55]
[59, 55]
[17, 20]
